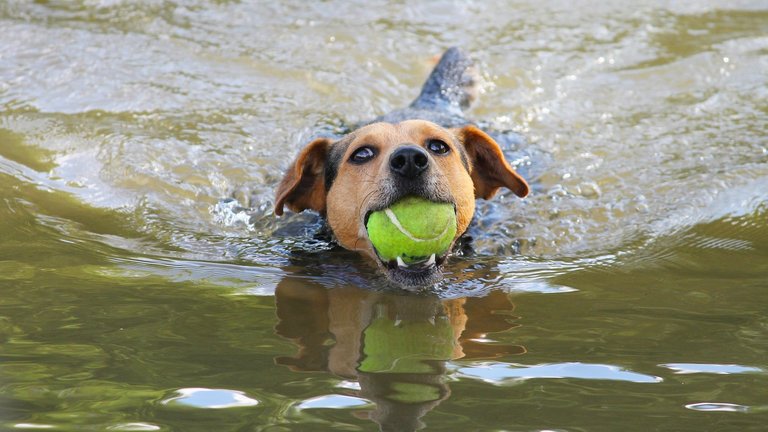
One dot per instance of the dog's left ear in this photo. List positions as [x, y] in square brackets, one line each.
[489, 169]
[303, 186]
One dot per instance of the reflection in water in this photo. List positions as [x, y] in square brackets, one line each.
[396, 346]
[717, 406]
[210, 398]
[503, 373]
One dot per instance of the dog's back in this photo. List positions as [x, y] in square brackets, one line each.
[450, 88]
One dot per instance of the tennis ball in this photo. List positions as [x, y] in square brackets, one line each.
[412, 229]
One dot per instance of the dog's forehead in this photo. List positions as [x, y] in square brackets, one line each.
[384, 136]
[422, 127]
[407, 132]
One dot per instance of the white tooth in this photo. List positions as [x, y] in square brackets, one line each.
[431, 260]
[401, 263]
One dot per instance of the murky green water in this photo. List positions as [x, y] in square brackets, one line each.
[629, 292]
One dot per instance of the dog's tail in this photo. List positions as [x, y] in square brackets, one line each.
[452, 86]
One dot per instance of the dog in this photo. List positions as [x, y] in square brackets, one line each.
[429, 150]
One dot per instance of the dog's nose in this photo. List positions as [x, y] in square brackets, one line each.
[409, 161]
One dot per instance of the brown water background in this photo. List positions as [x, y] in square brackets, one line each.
[628, 292]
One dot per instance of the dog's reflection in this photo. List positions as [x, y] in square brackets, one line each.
[395, 346]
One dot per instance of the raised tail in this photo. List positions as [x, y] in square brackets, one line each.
[452, 86]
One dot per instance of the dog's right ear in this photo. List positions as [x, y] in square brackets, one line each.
[490, 171]
[303, 186]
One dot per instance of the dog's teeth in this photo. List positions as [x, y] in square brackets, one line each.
[401, 263]
[431, 260]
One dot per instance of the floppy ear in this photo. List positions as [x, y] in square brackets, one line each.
[303, 186]
[489, 169]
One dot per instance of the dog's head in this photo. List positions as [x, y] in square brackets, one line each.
[375, 166]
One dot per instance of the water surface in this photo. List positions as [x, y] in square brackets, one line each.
[628, 292]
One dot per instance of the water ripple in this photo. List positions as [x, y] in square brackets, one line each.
[333, 401]
[507, 373]
[210, 398]
[717, 406]
[719, 369]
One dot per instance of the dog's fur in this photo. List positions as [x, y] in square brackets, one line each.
[428, 150]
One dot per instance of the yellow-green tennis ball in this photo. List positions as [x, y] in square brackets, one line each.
[412, 229]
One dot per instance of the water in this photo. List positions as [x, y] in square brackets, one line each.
[628, 292]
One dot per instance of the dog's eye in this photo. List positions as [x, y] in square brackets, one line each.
[362, 155]
[437, 146]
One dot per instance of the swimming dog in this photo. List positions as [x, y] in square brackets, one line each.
[428, 150]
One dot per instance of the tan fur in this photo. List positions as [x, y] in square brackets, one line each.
[302, 186]
[495, 172]
[357, 188]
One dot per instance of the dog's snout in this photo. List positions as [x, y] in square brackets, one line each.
[409, 161]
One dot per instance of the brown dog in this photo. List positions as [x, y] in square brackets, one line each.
[380, 163]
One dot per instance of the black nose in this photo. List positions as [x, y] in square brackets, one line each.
[409, 161]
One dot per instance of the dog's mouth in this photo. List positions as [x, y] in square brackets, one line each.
[421, 264]
[421, 272]
[418, 271]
